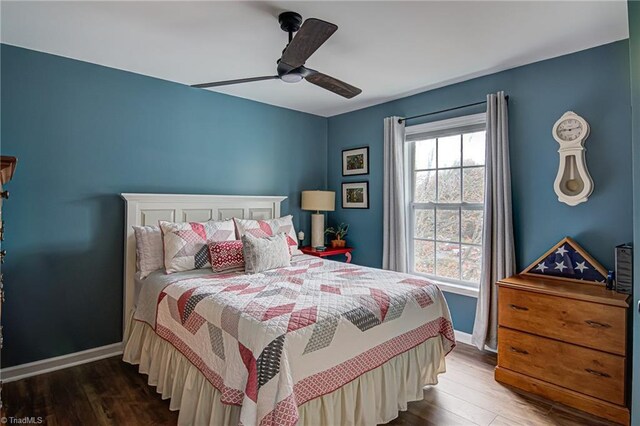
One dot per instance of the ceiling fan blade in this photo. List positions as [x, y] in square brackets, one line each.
[333, 84]
[313, 33]
[227, 82]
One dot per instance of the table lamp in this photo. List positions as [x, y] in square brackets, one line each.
[318, 201]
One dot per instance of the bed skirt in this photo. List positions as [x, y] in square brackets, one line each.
[373, 398]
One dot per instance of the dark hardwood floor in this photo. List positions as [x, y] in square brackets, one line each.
[111, 392]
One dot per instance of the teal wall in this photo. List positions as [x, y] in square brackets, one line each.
[83, 134]
[594, 83]
[634, 55]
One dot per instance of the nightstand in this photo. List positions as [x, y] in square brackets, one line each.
[329, 252]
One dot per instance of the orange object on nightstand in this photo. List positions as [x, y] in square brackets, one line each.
[328, 252]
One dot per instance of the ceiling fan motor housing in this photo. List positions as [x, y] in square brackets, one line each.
[290, 21]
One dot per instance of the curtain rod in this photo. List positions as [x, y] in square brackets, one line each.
[400, 120]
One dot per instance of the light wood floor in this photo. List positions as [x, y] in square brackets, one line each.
[111, 392]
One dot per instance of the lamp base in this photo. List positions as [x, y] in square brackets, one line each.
[317, 230]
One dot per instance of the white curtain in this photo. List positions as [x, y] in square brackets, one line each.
[394, 242]
[497, 240]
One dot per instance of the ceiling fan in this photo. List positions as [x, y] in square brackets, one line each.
[308, 38]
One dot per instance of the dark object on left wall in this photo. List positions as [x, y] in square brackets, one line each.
[7, 169]
[309, 37]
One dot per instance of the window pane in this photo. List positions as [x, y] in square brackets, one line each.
[448, 225]
[424, 256]
[472, 226]
[448, 260]
[473, 185]
[471, 263]
[426, 154]
[473, 149]
[424, 224]
[449, 186]
[425, 190]
[449, 151]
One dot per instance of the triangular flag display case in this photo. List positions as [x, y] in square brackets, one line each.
[568, 261]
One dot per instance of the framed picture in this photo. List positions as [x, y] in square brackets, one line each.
[355, 195]
[355, 161]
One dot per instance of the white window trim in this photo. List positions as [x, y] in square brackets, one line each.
[467, 120]
[442, 125]
[464, 290]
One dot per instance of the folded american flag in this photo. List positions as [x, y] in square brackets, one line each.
[568, 260]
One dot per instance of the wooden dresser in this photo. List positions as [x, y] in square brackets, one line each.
[565, 341]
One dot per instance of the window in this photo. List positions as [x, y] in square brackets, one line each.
[446, 183]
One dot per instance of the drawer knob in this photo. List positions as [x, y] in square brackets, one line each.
[519, 351]
[596, 373]
[518, 308]
[597, 324]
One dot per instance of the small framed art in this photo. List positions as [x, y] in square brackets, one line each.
[355, 195]
[355, 161]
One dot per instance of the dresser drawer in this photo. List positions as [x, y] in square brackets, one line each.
[587, 371]
[593, 325]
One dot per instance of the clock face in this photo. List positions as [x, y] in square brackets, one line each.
[570, 129]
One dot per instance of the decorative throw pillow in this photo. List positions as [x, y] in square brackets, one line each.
[148, 249]
[226, 256]
[186, 245]
[262, 254]
[269, 228]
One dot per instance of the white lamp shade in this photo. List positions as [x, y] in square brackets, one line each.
[319, 200]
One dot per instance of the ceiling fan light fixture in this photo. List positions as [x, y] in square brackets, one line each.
[291, 78]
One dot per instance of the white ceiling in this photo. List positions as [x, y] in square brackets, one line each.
[389, 49]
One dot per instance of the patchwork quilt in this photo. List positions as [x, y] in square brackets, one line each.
[272, 341]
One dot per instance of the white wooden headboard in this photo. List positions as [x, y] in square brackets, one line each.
[148, 209]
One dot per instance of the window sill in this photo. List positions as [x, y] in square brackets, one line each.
[456, 289]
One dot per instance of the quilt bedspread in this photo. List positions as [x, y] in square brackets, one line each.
[272, 341]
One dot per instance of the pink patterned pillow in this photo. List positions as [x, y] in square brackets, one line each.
[186, 243]
[269, 228]
[226, 256]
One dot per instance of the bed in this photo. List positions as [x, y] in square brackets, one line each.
[318, 342]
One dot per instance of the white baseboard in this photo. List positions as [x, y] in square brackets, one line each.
[465, 338]
[58, 363]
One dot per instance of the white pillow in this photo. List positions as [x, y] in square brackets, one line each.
[186, 244]
[262, 254]
[268, 228]
[149, 256]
